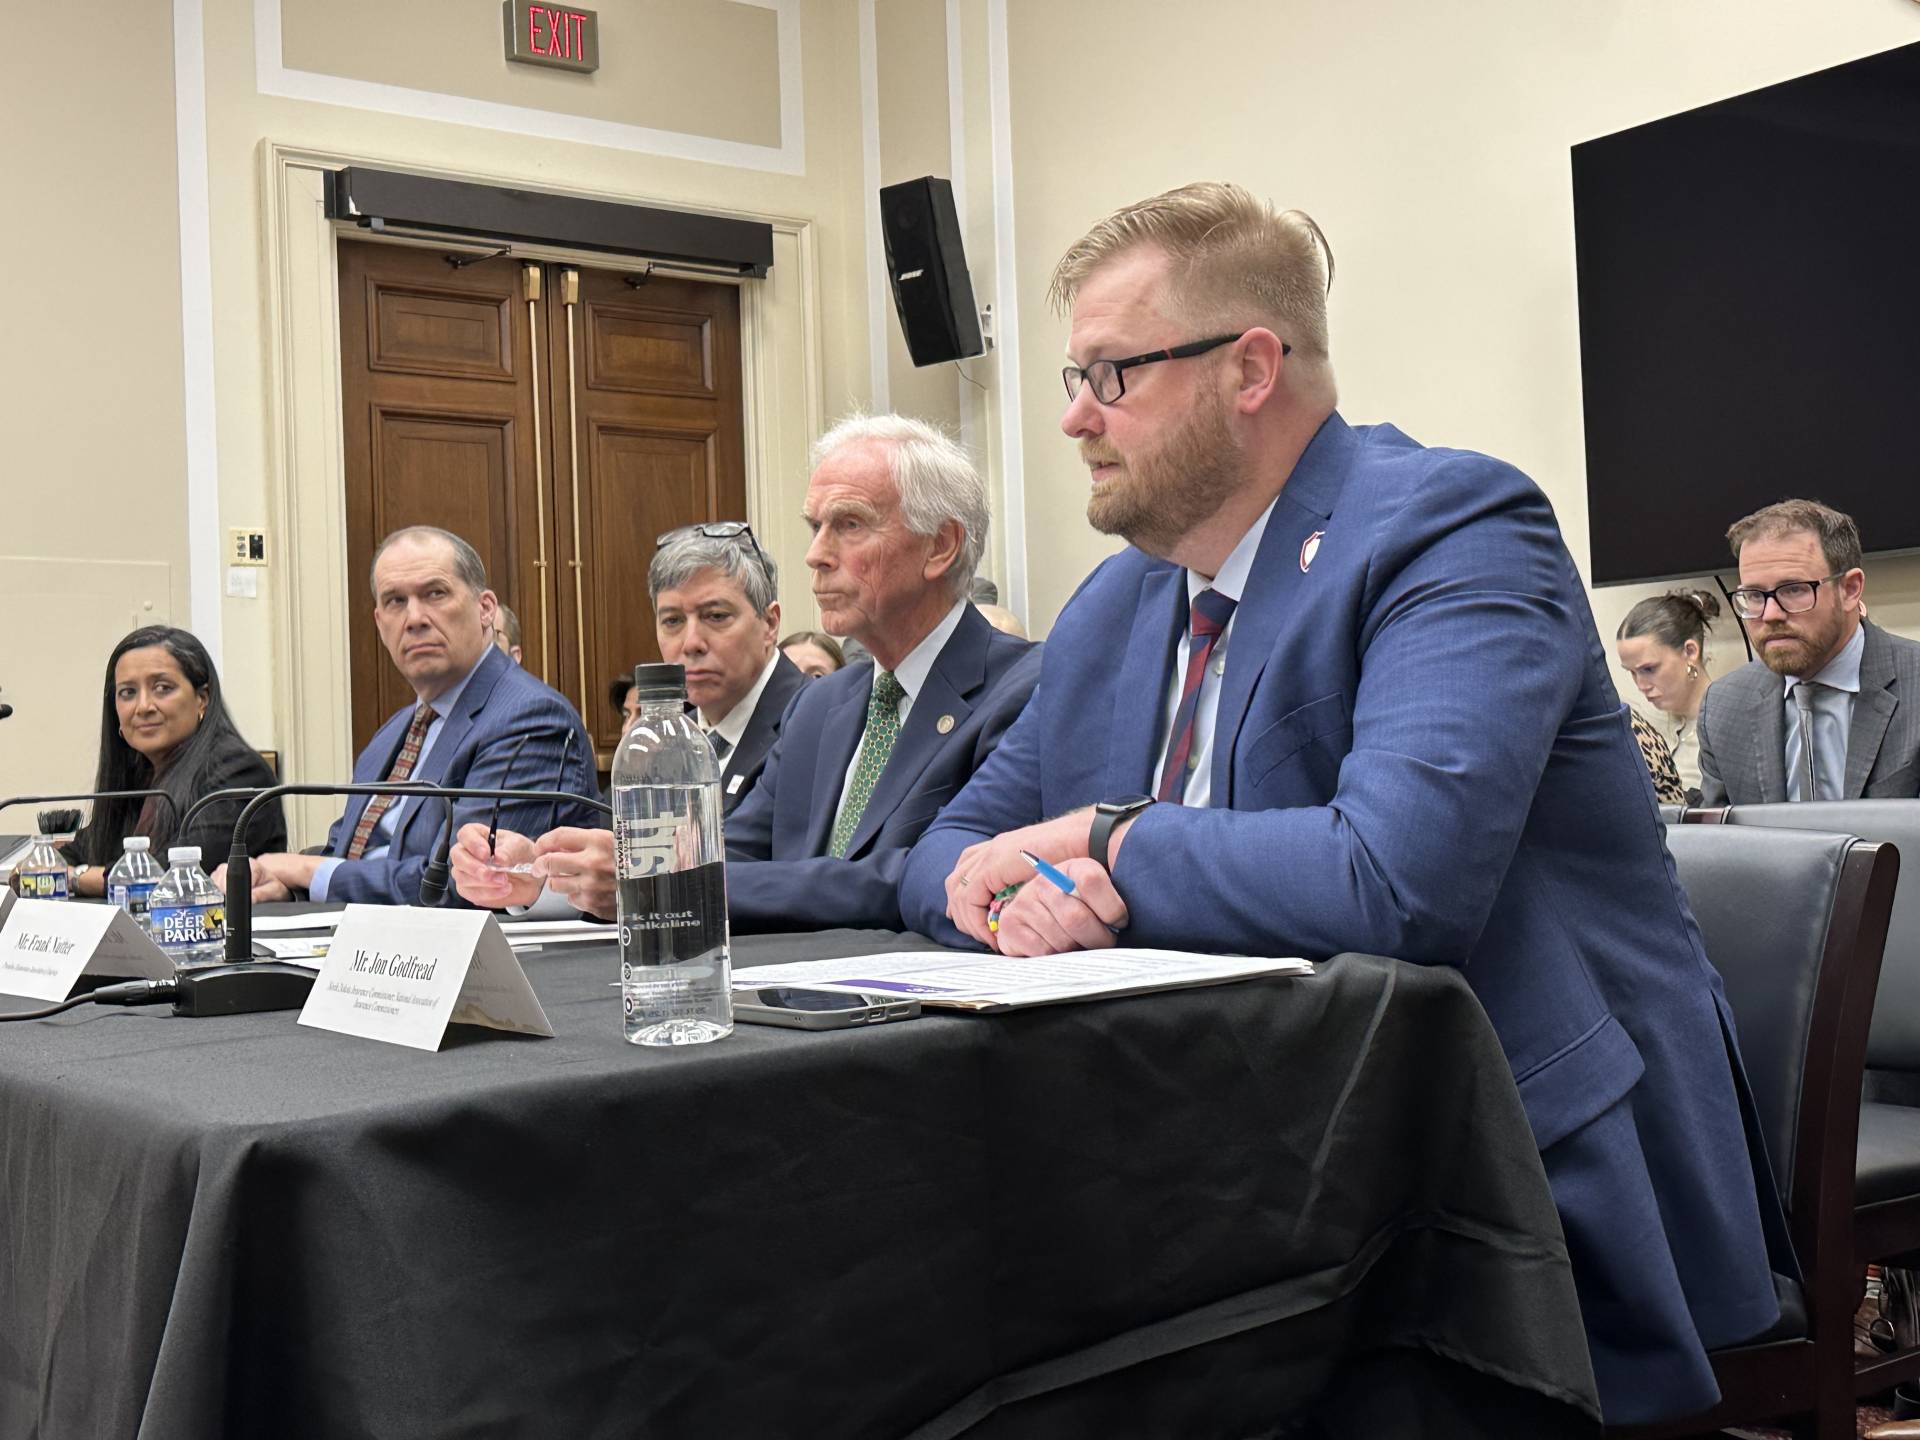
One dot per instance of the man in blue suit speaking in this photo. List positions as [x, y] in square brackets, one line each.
[1265, 728]
[866, 756]
[478, 720]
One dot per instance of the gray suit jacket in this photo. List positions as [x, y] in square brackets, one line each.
[1743, 730]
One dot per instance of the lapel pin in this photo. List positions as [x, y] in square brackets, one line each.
[944, 725]
[1309, 548]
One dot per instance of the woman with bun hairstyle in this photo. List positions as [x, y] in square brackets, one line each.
[1663, 645]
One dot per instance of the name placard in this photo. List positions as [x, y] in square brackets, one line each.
[47, 945]
[402, 974]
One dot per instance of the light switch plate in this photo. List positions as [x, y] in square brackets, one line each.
[246, 547]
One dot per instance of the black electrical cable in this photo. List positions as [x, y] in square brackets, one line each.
[129, 992]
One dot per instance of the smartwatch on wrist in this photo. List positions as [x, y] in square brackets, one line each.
[1106, 815]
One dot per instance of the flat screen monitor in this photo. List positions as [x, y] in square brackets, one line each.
[1749, 283]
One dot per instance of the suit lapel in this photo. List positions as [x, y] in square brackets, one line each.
[840, 731]
[1133, 742]
[957, 672]
[454, 730]
[1872, 711]
[373, 766]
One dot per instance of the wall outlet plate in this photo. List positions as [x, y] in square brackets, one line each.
[246, 547]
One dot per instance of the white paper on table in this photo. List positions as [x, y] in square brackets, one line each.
[526, 934]
[299, 947]
[997, 982]
[275, 924]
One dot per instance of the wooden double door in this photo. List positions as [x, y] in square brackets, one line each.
[556, 417]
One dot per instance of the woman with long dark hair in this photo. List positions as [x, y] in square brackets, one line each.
[164, 726]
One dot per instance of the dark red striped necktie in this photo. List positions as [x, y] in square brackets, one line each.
[1211, 611]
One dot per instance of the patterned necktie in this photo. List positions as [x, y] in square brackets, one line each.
[722, 747]
[1211, 611]
[883, 728]
[1809, 777]
[403, 764]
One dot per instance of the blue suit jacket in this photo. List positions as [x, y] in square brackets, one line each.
[763, 728]
[1419, 753]
[779, 876]
[501, 704]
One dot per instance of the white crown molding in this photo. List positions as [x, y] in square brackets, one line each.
[272, 77]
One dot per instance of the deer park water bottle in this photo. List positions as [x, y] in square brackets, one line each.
[43, 875]
[186, 915]
[671, 871]
[131, 880]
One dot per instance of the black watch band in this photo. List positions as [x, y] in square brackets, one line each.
[1106, 815]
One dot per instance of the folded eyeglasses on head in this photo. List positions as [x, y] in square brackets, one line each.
[711, 530]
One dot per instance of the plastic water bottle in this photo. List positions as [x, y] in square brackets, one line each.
[43, 875]
[186, 915]
[131, 880]
[671, 870]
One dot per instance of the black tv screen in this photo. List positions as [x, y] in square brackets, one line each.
[1749, 280]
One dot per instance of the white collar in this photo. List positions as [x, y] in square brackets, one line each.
[912, 672]
[1232, 579]
[741, 715]
[1843, 671]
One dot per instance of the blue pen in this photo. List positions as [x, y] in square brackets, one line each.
[1060, 880]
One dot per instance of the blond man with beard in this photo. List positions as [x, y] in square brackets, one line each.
[1263, 729]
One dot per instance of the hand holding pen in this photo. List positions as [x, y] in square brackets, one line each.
[1070, 906]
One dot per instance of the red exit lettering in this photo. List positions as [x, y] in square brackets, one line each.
[563, 32]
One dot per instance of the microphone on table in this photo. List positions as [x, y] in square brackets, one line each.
[433, 880]
[240, 864]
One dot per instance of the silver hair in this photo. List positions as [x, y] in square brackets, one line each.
[467, 563]
[935, 476]
[734, 556]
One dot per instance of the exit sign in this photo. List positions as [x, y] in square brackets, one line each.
[560, 36]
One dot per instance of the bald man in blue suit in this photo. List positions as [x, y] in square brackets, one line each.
[1345, 693]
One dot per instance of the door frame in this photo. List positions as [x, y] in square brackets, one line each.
[309, 591]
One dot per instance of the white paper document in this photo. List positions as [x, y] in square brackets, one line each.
[525, 934]
[998, 982]
[280, 924]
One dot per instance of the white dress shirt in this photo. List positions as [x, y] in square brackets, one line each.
[912, 674]
[1231, 582]
[741, 715]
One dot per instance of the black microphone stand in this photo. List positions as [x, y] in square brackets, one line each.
[240, 865]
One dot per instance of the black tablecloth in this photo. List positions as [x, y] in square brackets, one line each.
[1274, 1208]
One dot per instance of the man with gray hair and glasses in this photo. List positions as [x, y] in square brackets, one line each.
[867, 756]
[716, 611]
[1816, 715]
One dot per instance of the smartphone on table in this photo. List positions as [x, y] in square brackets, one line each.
[801, 1008]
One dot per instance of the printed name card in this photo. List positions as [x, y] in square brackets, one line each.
[402, 974]
[47, 945]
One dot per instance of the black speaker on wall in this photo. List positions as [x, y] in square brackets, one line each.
[928, 269]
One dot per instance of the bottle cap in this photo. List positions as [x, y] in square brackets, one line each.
[183, 855]
[139, 842]
[660, 679]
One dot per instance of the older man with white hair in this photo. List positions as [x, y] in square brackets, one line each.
[867, 756]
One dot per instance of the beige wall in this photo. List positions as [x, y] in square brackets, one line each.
[92, 491]
[1432, 143]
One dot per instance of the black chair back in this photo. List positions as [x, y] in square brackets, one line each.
[1781, 912]
[1894, 1041]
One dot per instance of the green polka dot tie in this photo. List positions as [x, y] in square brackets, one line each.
[883, 728]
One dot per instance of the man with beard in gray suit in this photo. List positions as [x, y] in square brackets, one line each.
[1819, 715]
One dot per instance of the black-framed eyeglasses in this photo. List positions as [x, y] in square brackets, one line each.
[712, 530]
[1794, 597]
[1108, 377]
